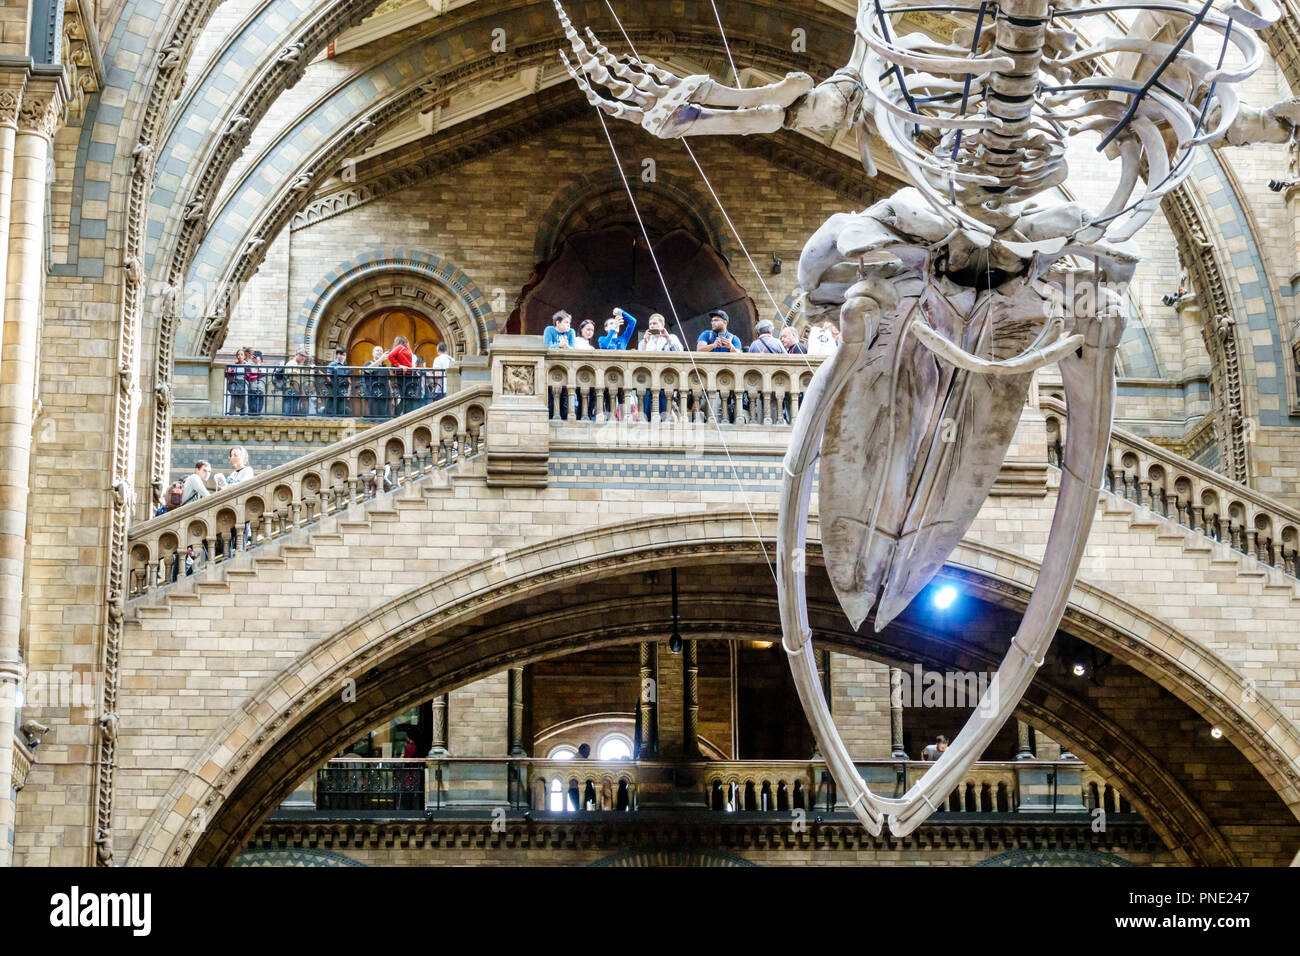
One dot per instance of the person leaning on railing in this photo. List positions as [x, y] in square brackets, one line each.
[255, 376]
[288, 379]
[441, 365]
[241, 470]
[337, 401]
[406, 385]
[376, 384]
[196, 485]
[658, 339]
[237, 384]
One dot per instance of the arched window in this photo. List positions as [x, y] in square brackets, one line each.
[563, 752]
[555, 800]
[614, 747]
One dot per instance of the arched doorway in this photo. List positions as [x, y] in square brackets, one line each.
[380, 328]
[594, 271]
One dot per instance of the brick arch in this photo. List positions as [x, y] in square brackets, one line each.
[263, 741]
[593, 188]
[318, 140]
[469, 323]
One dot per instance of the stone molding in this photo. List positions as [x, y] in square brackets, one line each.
[837, 832]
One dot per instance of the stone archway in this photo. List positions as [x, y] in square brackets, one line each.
[594, 272]
[459, 628]
[407, 279]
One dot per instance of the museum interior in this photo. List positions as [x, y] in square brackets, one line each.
[324, 543]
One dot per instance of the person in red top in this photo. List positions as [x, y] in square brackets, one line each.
[405, 385]
[400, 355]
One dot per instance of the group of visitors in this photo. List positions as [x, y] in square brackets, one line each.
[620, 329]
[391, 383]
[196, 485]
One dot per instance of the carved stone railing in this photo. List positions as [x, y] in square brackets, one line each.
[777, 786]
[1196, 497]
[249, 514]
[731, 389]
[1099, 793]
[729, 786]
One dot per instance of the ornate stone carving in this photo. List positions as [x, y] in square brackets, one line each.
[140, 157]
[236, 126]
[80, 55]
[518, 379]
[10, 100]
[40, 113]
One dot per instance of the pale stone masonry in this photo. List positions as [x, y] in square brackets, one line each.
[251, 625]
[229, 680]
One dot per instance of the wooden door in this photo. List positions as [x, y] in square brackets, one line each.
[381, 328]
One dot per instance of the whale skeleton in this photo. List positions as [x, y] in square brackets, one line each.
[954, 290]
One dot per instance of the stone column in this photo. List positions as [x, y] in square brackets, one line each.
[438, 728]
[896, 750]
[1293, 215]
[647, 748]
[1024, 750]
[25, 144]
[823, 664]
[516, 730]
[518, 442]
[691, 699]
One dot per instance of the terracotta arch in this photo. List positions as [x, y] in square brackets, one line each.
[260, 739]
[419, 281]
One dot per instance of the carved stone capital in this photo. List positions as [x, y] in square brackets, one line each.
[10, 100]
[41, 111]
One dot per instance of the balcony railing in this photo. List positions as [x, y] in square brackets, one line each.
[322, 391]
[329, 481]
[1196, 497]
[730, 786]
[696, 387]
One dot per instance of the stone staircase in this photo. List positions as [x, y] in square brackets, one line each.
[313, 507]
[1176, 499]
[306, 505]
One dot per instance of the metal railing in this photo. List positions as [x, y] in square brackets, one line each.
[366, 785]
[329, 391]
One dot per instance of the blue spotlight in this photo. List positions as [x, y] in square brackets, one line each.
[944, 597]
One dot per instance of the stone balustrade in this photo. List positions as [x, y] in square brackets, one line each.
[275, 503]
[744, 389]
[736, 786]
[1101, 794]
[533, 390]
[1197, 498]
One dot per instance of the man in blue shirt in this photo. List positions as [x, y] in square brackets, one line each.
[718, 339]
[613, 339]
[559, 334]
